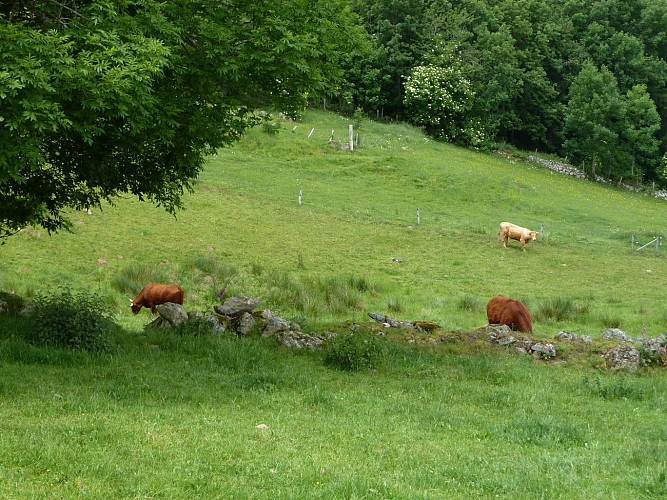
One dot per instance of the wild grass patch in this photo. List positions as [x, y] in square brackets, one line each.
[544, 431]
[356, 351]
[470, 303]
[131, 279]
[612, 388]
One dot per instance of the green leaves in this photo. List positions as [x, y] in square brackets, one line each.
[112, 96]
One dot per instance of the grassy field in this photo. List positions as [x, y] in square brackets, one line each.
[171, 416]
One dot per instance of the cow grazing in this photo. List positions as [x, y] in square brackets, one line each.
[154, 294]
[518, 233]
[505, 311]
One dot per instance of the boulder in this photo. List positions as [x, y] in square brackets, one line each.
[573, 337]
[274, 324]
[174, 314]
[245, 324]
[218, 323]
[235, 306]
[623, 357]
[616, 334]
[300, 340]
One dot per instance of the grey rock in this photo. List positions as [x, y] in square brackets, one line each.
[245, 324]
[543, 350]
[573, 337]
[234, 306]
[617, 334]
[218, 323]
[623, 357]
[175, 314]
[300, 340]
[274, 324]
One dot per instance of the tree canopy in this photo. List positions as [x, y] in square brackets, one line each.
[521, 59]
[104, 97]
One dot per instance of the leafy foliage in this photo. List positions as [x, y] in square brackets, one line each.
[72, 320]
[521, 60]
[440, 98]
[356, 351]
[106, 97]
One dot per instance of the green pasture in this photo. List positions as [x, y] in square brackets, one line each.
[164, 414]
[358, 220]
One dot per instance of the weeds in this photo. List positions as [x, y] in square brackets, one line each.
[469, 303]
[356, 351]
[558, 309]
[611, 388]
[72, 320]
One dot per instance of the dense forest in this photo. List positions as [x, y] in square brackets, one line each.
[583, 79]
[104, 97]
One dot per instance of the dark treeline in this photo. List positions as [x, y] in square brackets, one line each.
[579, 78]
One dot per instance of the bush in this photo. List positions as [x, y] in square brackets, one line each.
[355, 352]
[75, 321]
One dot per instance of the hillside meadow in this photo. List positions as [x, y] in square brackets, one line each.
[358, 221]
[165, 414]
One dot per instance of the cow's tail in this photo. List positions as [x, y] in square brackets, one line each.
[181, 295]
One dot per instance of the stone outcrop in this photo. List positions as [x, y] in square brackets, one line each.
[574, 338]
[388, 321]
[623, 357]
[235, 306]
[503, 335]
[169, 314]
[237, 315]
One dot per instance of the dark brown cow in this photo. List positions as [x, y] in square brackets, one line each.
[154, 294]
[505, 311]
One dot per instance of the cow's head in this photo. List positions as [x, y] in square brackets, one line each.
[135, 307]
[533, 235]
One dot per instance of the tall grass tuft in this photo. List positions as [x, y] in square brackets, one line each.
[557, 309]
[212, 266]
[560, 309]
[619, 387]
[395, 305]
[469, 303]
[608, 320]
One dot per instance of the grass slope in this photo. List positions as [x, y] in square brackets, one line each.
[171, 416]
[244, 225]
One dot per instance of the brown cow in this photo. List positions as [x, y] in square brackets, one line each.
[518, 233]
[154, 294]
[504, 311]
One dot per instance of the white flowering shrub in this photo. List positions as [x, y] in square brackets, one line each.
[440, 99]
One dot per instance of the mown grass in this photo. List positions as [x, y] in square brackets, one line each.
[173, 415]
[180, 421]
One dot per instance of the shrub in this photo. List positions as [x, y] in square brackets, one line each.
[75, 321]
[355, 352]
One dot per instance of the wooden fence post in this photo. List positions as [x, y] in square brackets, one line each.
[351, 137]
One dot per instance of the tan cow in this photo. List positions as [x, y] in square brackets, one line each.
[518, 233]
